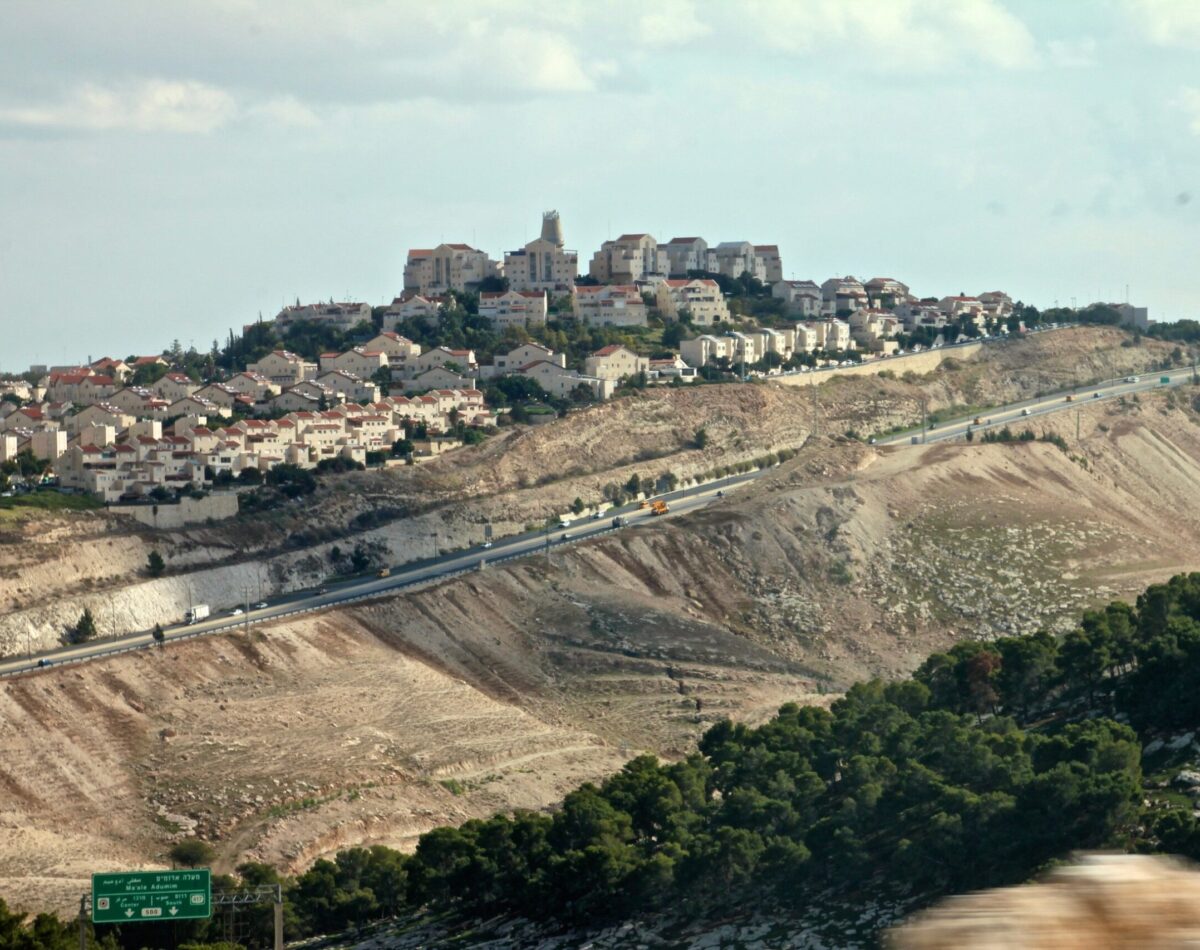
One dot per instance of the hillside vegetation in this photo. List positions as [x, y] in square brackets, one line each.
[990, 761]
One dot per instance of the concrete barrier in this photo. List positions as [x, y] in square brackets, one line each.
[919, 363]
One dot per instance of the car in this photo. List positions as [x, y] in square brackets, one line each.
[871, 440]
[1132, 379]
[1097, 395]
[384, 572]
[596, 516]
[261, 605]
[322, 590]
[43, 662]
[236, 612]
[721, 493]
[1025, 412]
[486, 545]
[565, 535]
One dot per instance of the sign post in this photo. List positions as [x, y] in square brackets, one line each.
[151, 895]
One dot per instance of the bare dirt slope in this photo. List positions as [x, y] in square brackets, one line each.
[506, 687]
[51, 568]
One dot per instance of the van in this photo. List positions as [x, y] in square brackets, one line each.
[384, 572]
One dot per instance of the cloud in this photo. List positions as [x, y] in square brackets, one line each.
[1168, 22]
[672, 23]
[1073, 54]
[154, 105]
[285, 110]
[909, 34]
[1188, 101]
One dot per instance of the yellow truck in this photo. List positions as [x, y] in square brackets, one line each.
[659, 508]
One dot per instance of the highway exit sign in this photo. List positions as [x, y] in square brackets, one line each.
[151, 895]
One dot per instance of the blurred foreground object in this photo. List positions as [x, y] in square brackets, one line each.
[1099, 902]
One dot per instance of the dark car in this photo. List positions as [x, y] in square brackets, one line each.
[43, 662]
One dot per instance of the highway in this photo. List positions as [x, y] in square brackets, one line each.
[1015, 415]
[1019, 414]
[404, 576]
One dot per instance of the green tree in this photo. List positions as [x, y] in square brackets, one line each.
[191, 853]
[700, 439]
[85, 629]
[155, 564]
[577, 506]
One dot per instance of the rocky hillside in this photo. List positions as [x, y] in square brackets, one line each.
[508, 686]
[53, 567]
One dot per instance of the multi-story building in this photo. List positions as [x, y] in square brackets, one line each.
[802, 298]
[447, 267]
[699, 297]
[344, 316]
[514, 308]
[410, 305]
[520, 356]
[843, 295]
[734, 258]
[706, 349]
[684, 255]
[360, 361]
[886, 293]
[768, 261]
[630, 258]
[544, 264]
[619, 305]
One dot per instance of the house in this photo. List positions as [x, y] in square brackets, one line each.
[833, 335]
[343, 316]
[701, 298]
[514, 308]
[137, 401]
[93, 389]
[671, 368]
[351, 386]
[685, 254]
[358, 361]
[141, 361]
[301, 398]
[875, 330]
[101, 414]
[705, 349]
[615, 362]
[457, 267]
[224, 396]
[437, 377]
[119, 370]
[629, 258]
[411, 305]
[563, 382]
[801, 298]
[619, 305]
[283, 368]
[173, 386]
[257, 387]
[195, 406]
[460, 361]
[954, 308]
[48, 444]
[999, 306]
[522, 355]
[543, 265]
[317, 390]
[841, 295]
[398, 348]
[886, 293]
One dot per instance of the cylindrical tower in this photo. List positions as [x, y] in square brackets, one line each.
[552, 228]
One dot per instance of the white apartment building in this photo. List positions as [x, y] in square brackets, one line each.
[360, 361]
[734, 258]
[520, 356]
[543, 264]
[514, 308]
[630, 258]
[411, 305]
[398, 348]
[562, 382]
[446, 267]
[705, 349]
[344, 316]
[886, 293]
[618, 305]
[700, 297]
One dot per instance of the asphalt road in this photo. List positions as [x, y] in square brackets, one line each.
[541, 542]
[407, 575]
[1016, 415]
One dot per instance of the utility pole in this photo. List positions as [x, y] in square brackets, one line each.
[83, 922]
[924, 423]
[1078, 417]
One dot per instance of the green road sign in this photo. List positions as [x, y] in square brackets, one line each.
[151, 895]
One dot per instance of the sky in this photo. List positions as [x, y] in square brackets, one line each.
[172, 170]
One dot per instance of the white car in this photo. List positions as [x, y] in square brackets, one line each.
[236, 612]
[260, 605]
[1132, 379]
[486, 545]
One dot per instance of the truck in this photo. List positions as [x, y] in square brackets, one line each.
[197, 613]
[660, 507]
[620, 521]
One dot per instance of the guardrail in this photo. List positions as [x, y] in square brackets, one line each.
[248, 622]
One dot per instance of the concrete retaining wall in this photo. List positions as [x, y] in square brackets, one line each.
[918, 363]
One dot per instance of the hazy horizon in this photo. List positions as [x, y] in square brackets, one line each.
[173, 171]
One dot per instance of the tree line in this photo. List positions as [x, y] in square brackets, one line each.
[991, 760]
